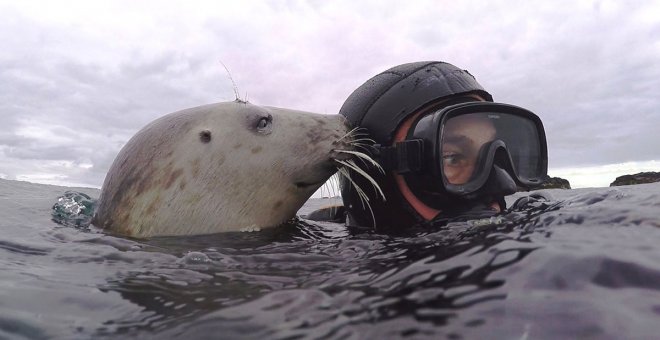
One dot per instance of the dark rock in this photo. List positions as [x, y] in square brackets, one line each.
[552, 183]
[639, 178]
[335, 213]
[555, 183]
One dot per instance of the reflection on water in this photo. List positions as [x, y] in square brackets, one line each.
[299, 285]
[583, 265]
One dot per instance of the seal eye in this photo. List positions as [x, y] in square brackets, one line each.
[264, 124]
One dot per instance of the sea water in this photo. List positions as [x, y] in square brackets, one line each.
[584, 265]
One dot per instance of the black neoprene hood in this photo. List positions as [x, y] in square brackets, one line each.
[379, 106]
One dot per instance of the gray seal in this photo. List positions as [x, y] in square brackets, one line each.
[230, 166]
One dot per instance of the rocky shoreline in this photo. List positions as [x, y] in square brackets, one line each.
[638, 178]
[555, 183]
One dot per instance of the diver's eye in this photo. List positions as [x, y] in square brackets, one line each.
[264, 124]
[453, 159]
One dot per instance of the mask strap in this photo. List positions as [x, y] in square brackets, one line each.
[422, 209]
[403, 157]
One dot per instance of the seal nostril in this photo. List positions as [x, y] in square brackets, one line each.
[205, 136]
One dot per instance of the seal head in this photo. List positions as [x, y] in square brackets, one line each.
[222, 167]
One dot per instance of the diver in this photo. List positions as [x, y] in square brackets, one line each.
[445, 150]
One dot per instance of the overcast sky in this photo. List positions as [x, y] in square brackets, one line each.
[79, 78]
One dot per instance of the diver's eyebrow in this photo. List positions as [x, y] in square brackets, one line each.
[457, 139]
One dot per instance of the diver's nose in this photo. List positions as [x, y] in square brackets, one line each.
[499, 183]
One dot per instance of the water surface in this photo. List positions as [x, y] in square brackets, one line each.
[586, 265]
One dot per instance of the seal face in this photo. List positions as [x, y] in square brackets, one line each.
[216, 168]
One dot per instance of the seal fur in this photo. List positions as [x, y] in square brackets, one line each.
[218, 168]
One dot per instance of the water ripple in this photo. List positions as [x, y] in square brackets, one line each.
[582, 265]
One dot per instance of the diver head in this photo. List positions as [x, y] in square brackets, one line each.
[446, 148]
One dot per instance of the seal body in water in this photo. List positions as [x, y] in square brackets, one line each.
[222, 167]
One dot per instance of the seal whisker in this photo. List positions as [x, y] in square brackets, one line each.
[344, 172]
[355, 132]
[371, 141]
[348, 134]
[233, 83]
[330, 186]
[335, 179]
[364, 157]
[365, 147]
[365, 163]
[364, 199]
[361, 142]
[361, 130]
[360, 134]
[354, 166]
[351, 165]
[361, 194]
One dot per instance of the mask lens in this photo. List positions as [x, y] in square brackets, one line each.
[466, 139]
[462, 139]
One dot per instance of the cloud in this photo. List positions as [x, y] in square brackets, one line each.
[79, 78]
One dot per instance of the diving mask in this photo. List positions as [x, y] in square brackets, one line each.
[456, 148]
